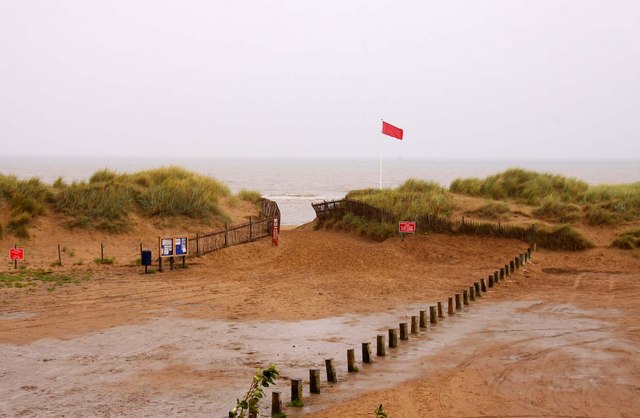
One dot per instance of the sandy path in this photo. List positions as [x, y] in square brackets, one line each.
[558, 339]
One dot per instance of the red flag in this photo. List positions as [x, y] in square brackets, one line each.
[389, 129]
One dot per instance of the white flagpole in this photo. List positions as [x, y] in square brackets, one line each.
[381, 140]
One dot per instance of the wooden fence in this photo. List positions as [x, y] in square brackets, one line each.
[426, 223]
[237, 234]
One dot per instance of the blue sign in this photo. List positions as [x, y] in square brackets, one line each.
[182, 246]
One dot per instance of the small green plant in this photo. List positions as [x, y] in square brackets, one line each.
[249, 404]
[56, 263]
[105, 260]
[297, 403]
[493, 210]
[279, 415]
[68, 251]
[379, 412]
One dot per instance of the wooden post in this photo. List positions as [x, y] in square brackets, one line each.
[506, 271]
[366, 352]
[15, 262]
[59, 256]
[226, 235]
[314, 381]
[450, 307]
[351, 360]
[496, 277]
[483, 285]
[393, 338]
[502, 277]
[472, 293]
[380, 345]
[440, 310]
[276, 403]
[476, 286]
[517, 261]
[465, 296]
[331, 371]
[423, 319]
[433, 318]
[101, 253]
[250, 229]
[160, 264]
[296, 390]
[512, 267]
[414, 325]
[198, 252]
[458, 302]
[404, 334]
[170, 263]
[491, 280]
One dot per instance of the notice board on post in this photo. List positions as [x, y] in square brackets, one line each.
[166, 247]
[181, 246]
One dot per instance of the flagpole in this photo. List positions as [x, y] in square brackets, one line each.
[381, 140]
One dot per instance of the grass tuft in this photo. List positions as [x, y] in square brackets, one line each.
[629, 240]
[493, 210]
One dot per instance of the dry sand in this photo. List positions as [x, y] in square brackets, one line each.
[559, 338]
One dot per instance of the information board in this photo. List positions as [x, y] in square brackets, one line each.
[166, 247]
[16, 254]
[407, 227]
[182, 246]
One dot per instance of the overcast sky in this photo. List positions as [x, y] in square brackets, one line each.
[312, 79]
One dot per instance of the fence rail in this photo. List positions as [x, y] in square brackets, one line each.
[426, 223]
[237, 234]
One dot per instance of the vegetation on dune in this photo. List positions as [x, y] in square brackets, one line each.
[563, 237]
[557, 197]
[494, 210]
[629, 240]
[105, 200]
[31, 277]
[412, 199]
[378, 231]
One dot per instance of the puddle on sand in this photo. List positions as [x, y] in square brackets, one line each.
[96, 374]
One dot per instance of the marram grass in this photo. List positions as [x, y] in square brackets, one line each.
[106, 199]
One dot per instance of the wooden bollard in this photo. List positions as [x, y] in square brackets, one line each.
[496, 277]
[366, 352]
[491, 280]
[380, 346]
[404, 331]
[351, 360]
[331, 371]
[465, 297]
[517, 261]
[296, 390]
[522, 260]
[314, 381]
[458, 302]
[512, 267]
[483, 285]
[476, 286]
[423, 319]
[393, 338]
[276, 403]
[440, 310]
[502, 273]
[472, 293]
[506, 271]
[414, 325]
[433, 315]
[450, 310]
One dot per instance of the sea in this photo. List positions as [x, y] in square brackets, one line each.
[295, 184]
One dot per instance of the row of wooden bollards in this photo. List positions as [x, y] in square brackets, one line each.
[455, 303]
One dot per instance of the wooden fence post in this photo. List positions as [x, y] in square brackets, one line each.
[512, 266]
[472, 293]
[404, 334]
[351, 360]
[476, 286]
[198, 255]
[331, 371]
[366, 352]
[496, 277]
[380, 345]
[250, 228]
[423, 319]
[450, 310]
[226, 235]
[483, 285]
[465, 296]
[393, 338]
[296, 390]
[458, 302]
[276, 403]
[491, 280]
[414, 325]
[314, 381]
[433, 318]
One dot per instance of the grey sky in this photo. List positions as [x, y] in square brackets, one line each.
[464, 79]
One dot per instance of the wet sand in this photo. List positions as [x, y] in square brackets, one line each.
[559, 338]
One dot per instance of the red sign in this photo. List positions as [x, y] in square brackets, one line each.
[17, 254]
[407, 227]
[275, 235]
